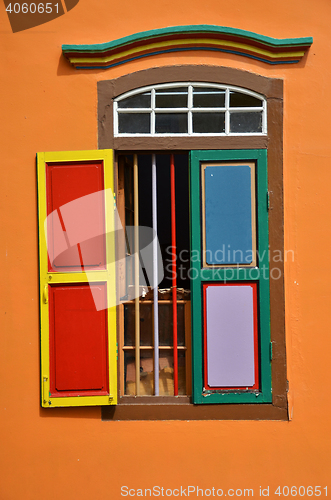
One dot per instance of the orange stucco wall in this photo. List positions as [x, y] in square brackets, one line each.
[48, 106]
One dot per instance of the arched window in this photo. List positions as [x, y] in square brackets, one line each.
[190, 109]
[200, 159]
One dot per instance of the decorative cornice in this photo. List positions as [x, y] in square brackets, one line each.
[187, 38]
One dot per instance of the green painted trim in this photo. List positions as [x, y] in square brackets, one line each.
[199, 28]
[204, 275]
[196, 306]
[264, 281]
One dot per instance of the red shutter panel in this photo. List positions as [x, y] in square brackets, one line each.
[77, 284]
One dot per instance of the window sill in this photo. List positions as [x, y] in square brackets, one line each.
[154, 400]
[147, 408]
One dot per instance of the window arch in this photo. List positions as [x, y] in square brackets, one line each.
[190, 109]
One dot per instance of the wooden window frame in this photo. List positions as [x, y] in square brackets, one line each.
[181, 408]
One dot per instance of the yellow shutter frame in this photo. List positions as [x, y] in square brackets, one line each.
[107, 275]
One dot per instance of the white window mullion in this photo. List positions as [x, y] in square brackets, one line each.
[170, 110]
[264, 117]
[247, 109]
[133, 110]
[155, 279]
[115, 118]
[227, 112]
[189, 114]
[153, 112]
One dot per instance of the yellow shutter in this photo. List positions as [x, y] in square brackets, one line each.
[78, 343]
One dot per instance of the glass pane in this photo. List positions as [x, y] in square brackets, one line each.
[136, 101]
[166, 373]
[181, 373]
[166, 324]
[134, 123]
[128, 196]
[208, 98]
[129, 324]
[129, 374]
[174, 123]
[246, 122]
[239, 100]
[208, 123]
[171, 98]
[128, 186]
[146, 324]
[180, 324]
[146, 373]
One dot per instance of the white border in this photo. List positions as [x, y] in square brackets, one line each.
[189, 110]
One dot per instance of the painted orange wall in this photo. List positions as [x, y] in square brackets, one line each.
[46, 106]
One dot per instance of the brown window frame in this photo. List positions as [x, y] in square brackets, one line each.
[180, 408]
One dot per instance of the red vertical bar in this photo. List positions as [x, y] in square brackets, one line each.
[174, 271]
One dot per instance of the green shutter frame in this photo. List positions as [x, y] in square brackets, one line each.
[203, 275]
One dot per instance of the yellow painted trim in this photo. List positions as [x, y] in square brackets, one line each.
[79, 401]
[110, 208]
[44, 312]
[188, 41]
[107, 275]
[94, 154]
[77, 277]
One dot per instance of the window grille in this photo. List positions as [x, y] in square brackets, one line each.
[195, 109]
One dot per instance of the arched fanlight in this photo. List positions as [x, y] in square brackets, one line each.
[190, 109]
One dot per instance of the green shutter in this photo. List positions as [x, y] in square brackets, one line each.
[256, 275]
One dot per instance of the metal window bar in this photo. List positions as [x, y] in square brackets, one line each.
[174, 270]
[136, 273]
[155, 279]
[153, 112]
[227, 114]
[190, 106]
